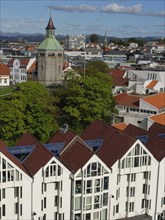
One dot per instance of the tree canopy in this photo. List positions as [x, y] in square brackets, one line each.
[29, 109]
[85, 100]
[94, 38]
[96, 66]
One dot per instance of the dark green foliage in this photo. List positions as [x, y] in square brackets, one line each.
[85, 100]
[94, 38]
[94, 67]
[29, 109]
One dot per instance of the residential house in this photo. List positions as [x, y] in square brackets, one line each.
[4, 75]
[136, 109]
[19, 69]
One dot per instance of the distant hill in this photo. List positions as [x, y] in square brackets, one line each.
[38, 37]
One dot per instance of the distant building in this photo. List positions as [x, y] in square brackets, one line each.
[50, 58]
[4, 75]
[76, 42]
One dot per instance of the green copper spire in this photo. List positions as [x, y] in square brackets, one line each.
[50, 42]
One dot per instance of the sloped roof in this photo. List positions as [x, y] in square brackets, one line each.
[117, 81]
[160, 118]
[115, 142]
[76, 155]
[4, 70]
[134, 130]
[127, 100]
[157, 100]
[50, 24]
[61, 136]
[3, 150]
[152, 84]
[33, 67]
[154, 143]
[117, 73]
[50, 43]
[120, 126]
[38, 158]
[157, 128]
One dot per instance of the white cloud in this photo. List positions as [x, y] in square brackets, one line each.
[115, 8]
[67, 8]
[155, 14]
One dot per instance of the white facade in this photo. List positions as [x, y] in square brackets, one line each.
[90, 191]
[4, 80]
[17, 74]
[15, 188]
[134, 183]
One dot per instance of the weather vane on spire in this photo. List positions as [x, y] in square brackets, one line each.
[50, 12]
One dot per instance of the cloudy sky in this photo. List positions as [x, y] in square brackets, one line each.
[120, 18]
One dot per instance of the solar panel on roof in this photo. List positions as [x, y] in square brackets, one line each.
[94, 144]
[161, 135]
[21, 152]
[55, 148]
[143, 138]
[21, 149]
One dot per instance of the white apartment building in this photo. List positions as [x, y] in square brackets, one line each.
[105, 174]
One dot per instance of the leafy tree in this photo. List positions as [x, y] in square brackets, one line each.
[94, 38]
[29, 109]
[85, 100]
[94, 67]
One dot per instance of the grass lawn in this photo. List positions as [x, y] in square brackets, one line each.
[5, 90]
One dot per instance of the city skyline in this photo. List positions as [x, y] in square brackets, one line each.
[120, 18]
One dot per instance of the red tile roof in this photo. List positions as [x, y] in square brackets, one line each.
[117, 81]
[157, 100]
[12, 158]
[38, 158]
[127, 100]
[61, 136]
[76, 155]
[117, 73]
[155, 144]
[157, 128]
[160, 118]
[4, 70]
[152, 84]
[32, 68]
[116, 143]
[120, 126]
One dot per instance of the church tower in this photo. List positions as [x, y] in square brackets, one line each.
[50, 58]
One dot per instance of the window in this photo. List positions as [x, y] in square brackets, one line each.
[133, 177]
[97, 185]
[78, 186]
[5, 81]
[56, 201]
[88, 203]
[131, 206]
[3, 210]
[44, 202]
[3, 194]
[16, 208]
[117, 208]
[106, 182]
[96, 216]
[77, 203]
[132, 191]
[96, 202]
[89, 186]
[16, 191]
[105, 199]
